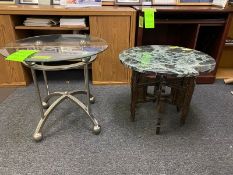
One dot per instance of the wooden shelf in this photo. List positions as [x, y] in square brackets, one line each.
[209, 22]
[49, 28]
[224, 73]
[228, 44]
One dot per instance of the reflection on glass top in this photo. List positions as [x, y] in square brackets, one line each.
[59, 47]
[165, 59]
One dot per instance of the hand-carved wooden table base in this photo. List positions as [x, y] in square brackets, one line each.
[180, 94]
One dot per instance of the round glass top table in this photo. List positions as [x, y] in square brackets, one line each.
[164, 66]
[59, 47]
[64, 51]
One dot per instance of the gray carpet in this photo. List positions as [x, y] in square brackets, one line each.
[204, 145]
[5, 92]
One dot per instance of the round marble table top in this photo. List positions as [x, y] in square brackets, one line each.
[165, 59]
[58, 47]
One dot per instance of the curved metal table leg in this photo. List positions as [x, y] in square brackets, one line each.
[37, 92]
[38, 134]
[97, 127]
[92, 98]
[79, 103]
[45, 103]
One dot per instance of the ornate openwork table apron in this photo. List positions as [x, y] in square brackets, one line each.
[171, 66]
[55, 53]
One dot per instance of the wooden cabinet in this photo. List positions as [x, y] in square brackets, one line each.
[114, 24]
[225, 69]
[107, 67]
[11, 73]
[200, 28]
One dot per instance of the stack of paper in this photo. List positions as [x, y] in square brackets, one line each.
[40, 22]
[229, 41]
[221, 3]
[77, 22]
[81, 3]
[164, 2]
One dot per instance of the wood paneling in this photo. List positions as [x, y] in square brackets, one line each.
[223, 73]
[11, 73]
[107, 68]
[230, 33]
[227, 58]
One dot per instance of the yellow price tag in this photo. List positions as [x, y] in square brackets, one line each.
[43, 57]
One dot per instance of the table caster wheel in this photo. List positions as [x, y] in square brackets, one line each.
[96, 129]
[45, 105]
[92, 100]
[37, 136]
[157, 130]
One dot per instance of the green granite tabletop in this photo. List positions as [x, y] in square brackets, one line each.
[165, 59]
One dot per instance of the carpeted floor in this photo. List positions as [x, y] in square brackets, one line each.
[204, 145]
[5, 92]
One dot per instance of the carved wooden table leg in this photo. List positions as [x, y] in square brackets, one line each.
[189, 83]
[134, 94]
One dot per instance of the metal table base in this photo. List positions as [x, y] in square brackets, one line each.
[46, 108]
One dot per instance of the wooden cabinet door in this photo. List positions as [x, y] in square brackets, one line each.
[225, 68]
[11, 73]
[115, 30]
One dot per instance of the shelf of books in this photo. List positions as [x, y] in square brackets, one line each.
[56, 23]
[51, 28]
